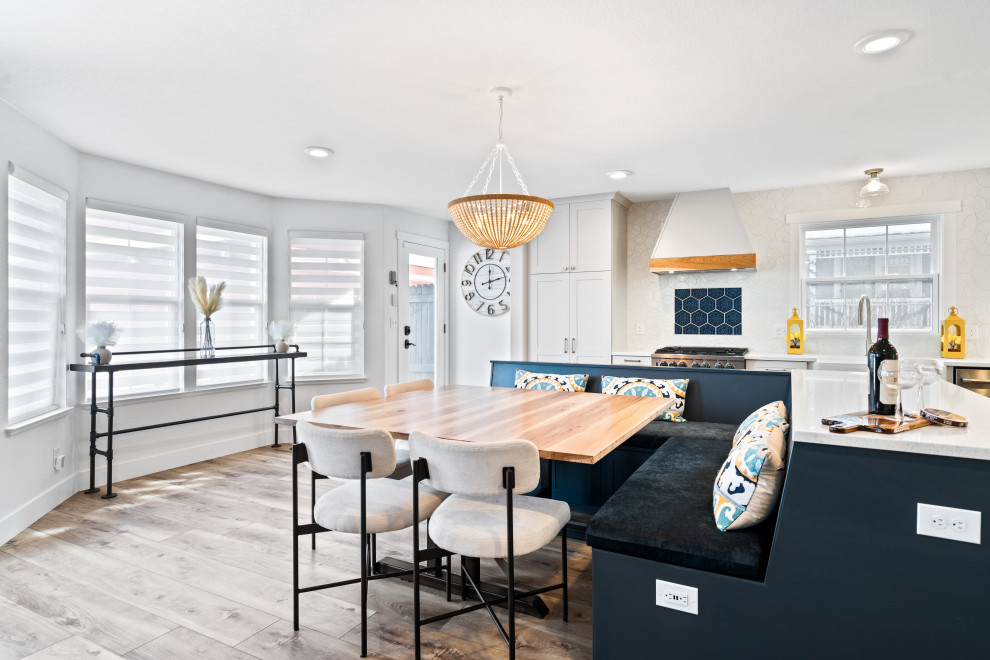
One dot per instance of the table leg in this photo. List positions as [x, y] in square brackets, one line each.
[92, 437]
[277, 388]
[109, 453]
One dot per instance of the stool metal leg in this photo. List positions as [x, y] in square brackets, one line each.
[563, 566]
[312, 502]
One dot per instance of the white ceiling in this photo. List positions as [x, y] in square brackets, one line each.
[688, 94]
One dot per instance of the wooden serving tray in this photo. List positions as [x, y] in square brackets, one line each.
[864, 421]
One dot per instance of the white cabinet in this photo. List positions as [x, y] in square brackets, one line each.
[577, 283]
[570, 319]
[578, 237]
[629, 360]
[775, 365]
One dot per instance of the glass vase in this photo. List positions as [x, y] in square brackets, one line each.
[207, 334]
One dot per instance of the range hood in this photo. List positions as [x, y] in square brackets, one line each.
[703, 232]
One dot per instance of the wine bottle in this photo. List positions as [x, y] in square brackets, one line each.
[883, 398]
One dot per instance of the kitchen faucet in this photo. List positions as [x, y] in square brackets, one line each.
[869, 320]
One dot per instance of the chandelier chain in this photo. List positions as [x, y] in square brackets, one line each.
[515, 170]
[497, 154]
[480, 170]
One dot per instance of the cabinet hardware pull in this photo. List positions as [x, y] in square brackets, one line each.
[980, 381]
[573, 345]
[628, 360]
[565, 344]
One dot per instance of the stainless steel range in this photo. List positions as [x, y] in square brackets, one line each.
[705, 357]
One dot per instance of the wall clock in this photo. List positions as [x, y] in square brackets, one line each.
[485, 282]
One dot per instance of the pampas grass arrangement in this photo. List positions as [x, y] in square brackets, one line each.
[207, 300]
[281, 330]
[102, 333]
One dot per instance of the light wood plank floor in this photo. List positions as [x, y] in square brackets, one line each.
[196, 562]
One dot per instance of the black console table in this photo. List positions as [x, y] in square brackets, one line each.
[158, 360]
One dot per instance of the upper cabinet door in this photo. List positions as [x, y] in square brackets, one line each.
[550, 251]
[591, 236]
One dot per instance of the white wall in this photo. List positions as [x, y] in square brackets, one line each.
[30, 487]
[476, 339]
[766, 292]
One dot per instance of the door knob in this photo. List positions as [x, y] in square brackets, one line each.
[409, 343]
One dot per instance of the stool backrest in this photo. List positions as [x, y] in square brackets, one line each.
[337, 452]
[354, 396]
[475, 468]
[399, 388]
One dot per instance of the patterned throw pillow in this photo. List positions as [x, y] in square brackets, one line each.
[531, 380]
[748, 484]
[772, 415]
[675, 388]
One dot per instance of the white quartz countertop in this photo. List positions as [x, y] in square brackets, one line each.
[819, 394]
[791, 357]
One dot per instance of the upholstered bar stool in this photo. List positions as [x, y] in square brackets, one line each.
[367, 504]
[483, 517]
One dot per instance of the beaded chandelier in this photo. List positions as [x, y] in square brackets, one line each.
[500, 221]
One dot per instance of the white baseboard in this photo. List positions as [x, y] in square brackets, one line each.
[172, 458]
[24, 516]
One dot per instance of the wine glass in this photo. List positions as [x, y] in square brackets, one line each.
[931, 372]
[887, 373]
[908, 376]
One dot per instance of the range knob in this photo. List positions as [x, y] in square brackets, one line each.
[728, 365]
[662, 363]
[681, 364]
[706, 365]
[719, 365]
[694, 364]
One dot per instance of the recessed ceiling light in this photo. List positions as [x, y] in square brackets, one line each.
[618, 174]
[881, 41]
[318, 152]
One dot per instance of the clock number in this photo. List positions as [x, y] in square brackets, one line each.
[469, 268]
[502, 256]
[489, 253]
[491, 310]
[466, 283]
[477, 257]
[469, 295]
[482, 304]
[501, 303]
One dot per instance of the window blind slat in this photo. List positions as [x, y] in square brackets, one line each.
[36, 291]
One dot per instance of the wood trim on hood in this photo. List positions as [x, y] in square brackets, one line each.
[713, 262]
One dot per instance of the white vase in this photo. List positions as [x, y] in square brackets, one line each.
[104, 355]
[281, 346]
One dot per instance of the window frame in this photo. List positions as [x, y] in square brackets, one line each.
[323, 376]
[61, 349]
[937, 275]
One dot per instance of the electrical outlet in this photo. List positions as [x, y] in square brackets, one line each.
[973, 332]
[677, 597]
[779, 331]
[945, 522]
[640, 329]
[58, 459]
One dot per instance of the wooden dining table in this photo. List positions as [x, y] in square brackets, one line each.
[581, 427]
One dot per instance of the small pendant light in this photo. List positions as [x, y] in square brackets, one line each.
[874, 186]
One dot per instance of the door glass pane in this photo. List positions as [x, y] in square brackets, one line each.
[865, 250]
[910, 249]
[421, 337]
[823, 248]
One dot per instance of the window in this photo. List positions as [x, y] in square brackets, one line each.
[326, 302]
[237, 257]
[893, 261]
[36, 214]
[134, 278]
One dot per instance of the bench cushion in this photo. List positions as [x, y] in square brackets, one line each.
[656, 433]
[663, 513]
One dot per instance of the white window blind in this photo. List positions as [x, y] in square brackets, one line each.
[326, 302]
[893, 261]
[134, 278]
[239, 259]
[36, 295]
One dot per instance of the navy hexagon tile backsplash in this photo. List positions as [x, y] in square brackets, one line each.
[708, 311]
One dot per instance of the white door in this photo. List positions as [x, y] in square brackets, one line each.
[549, 317]
[591, 235]
[591, 317]
[422, 313]
[549, 252]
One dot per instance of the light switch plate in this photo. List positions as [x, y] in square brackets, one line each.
[945, 522]
[677, 597]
